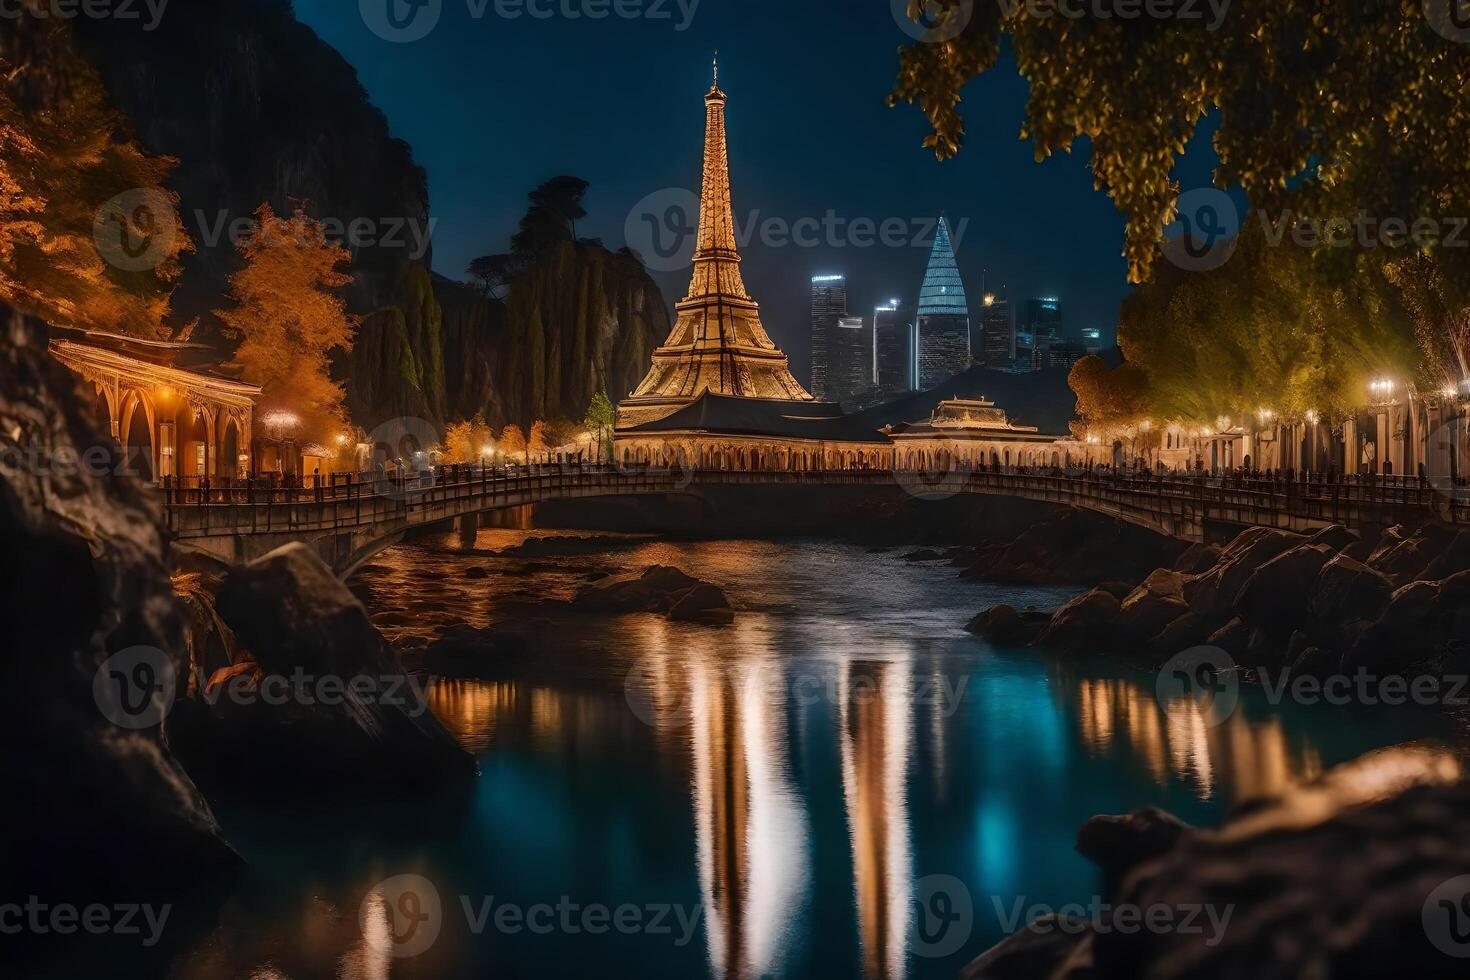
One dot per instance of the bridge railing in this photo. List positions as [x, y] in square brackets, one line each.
[354, 500]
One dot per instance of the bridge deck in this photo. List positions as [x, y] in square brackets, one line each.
[375, 512]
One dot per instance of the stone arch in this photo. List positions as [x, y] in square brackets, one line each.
[132, 436]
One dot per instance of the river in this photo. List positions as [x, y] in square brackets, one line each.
[844, 783]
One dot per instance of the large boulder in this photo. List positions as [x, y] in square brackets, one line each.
[1213, 593]
[1004, 626]
[1118, 844]
[1453, 559]
[1087, 624]
[1336, 537]
[101, 809]
[1348, 590]
[704, 604]
[335, 709]
[1152, 606]
[1337, 879]
[652, 590]
[1275, 596]
[1049, 946]
[1407, 558]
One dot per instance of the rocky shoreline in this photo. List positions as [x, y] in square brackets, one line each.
[1272, 600]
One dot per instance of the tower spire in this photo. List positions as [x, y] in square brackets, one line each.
[717, 68]
[718, 343]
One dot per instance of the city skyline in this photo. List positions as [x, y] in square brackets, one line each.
[1040, 229]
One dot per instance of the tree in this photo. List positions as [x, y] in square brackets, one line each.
[1299, 121]
[536, 442]
[466, 441]
[88, 235]
[599, 421]
[494, 274]
[513, 441]
[556, 207]
[290, 318]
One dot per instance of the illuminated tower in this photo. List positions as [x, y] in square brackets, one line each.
[944, 315]
[718, 343]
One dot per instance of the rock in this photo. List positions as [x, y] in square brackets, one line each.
[564, 546]
[1190, 630]
[476, 572]
[1453, 559]
[343, 715]
[99, 811]
[1275, 596]
[1087, 624]
[1409, 628]
[1233, 638]
[923, 554]
[1117, 589]
[1336, 537]
[1346, 590]
[704, 604]
[1118, 844]
[651, 590]
[1214, 592]
[1003, 626]
[1076, 547]
[1198, 558]
[1038, 950]
[1315, 662]
[465, 652]
[1404, 560]
[1328, 880]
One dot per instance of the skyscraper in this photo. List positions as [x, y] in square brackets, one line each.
[1044, 317]
[852, 359]
[944, 315]
[829, 304]
[997, 334]
[893, 349]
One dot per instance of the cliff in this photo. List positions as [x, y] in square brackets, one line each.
[258, 109]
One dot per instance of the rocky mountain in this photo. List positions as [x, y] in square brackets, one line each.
[258, 109]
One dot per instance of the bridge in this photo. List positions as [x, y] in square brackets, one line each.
[354, 518]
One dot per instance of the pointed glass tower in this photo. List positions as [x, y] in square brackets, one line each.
[944, 315]
[717, 344]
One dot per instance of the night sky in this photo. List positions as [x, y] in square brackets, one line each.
[494, 105]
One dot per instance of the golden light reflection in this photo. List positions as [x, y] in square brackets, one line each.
[1251, 757]
[875, 717]
[750, 825]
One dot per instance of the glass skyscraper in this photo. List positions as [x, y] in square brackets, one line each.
[944, 315]
[829, 304]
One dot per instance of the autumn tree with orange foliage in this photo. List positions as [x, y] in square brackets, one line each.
[465, 442]
[513, 442]
[290, 317]
[88, 235]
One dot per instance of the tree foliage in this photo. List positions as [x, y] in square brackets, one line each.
[465, 442]
[513, 441]
[1335, 107]
[289, 316]
[89, 237]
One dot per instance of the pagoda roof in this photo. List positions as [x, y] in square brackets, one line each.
[781, 418]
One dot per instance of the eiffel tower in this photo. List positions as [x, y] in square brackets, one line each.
[718, 344]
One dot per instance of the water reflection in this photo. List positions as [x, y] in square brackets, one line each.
[875, 704]
[1249, 756]
[750, 826]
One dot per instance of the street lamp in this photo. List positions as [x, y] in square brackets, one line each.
[1381, 390]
